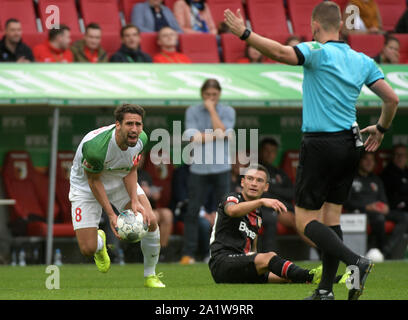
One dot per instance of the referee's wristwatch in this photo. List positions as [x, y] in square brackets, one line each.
[381, 128]
[246, 34]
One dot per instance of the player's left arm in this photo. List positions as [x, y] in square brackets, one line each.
[130, 182]
[268, 47]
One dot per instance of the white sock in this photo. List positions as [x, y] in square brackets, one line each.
[100, 243]
[150, 245]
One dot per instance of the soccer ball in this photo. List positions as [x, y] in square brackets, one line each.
[131, 226]
[375, 255]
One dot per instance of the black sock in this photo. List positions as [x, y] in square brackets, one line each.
[329, 242]
[287, 269]
[330, 265]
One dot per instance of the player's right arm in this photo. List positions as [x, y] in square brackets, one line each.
[389, 108]
[268, 47]
[241, 209]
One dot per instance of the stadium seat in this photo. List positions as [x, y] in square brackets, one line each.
[127, 6]
[370, 44]
[389, 226]
[267, 17]
[22, 10]
[103, 12]
[200, 48]
[111, 43]
[382, 157]
[390, 11]
[232, 48]
[64, 164]
[32, 39]
[300, 12]
[290, 161]
[281, 230]
[342, 4]
[67, 10]
[162, 176]
[403, 39]
[217, 8]
[148, 43]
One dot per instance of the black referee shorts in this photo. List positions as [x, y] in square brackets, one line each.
[235, 268]
[327, 165]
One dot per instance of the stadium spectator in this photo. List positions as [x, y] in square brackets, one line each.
[12, 49]
[252, 55]
[293, 41]
[402, 24]
[89, 48]
[367, 195]
[153, 193]
[130, 49]
[180, 205]
[56, 48]
[395, 177]
[390, 52]
[194, 16]
[167, 39]
[368, 20]
[206, 170]
[152, 15]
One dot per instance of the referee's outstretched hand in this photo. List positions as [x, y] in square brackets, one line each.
[278, 206]
[235, 22]
[374, 139]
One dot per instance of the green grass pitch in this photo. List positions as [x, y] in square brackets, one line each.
[388, 281]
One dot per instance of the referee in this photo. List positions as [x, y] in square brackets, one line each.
[333, 77]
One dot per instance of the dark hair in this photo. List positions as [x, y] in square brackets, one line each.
[366, 153]
[11, 20]
[92, 25]
[328, 13]
[258, 167]
[268, 140]
[210, 83]
[389, 38]
[128, 26]
[397, 146]
[54, 32]
[247, 54]
[120, 111]
[294, 37]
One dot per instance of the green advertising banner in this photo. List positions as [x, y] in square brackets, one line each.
[261, 85]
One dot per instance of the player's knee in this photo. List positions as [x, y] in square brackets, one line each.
[87, 249]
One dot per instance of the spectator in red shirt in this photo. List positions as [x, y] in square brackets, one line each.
[167, 39]
[56, 48]
[89, 48]
[252, 55]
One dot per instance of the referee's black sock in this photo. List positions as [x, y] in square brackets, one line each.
[329, 242]
[287, 269]
[330, 265]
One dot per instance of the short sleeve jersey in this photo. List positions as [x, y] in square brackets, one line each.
[234, 235]
[98, 152]
[333, 77]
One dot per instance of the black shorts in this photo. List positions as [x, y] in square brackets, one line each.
[327, 165]
[235, 268]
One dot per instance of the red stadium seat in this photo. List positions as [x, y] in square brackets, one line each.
[282, 230]
[342, 4]
[103, 12]
[370, 44]
[217, 8]
[148, 43]
[22, 10]
[389, 226]
[290, 161]
[64, 164]
[390, 11]
[232, 48]
[127, 6]
[111, 43]
[382, 158]
[200, 48]
[403, 39]
[32, 39]
[67, 10]
[267, 17]
[300, 12]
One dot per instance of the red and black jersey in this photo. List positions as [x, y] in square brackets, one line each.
[234, 235]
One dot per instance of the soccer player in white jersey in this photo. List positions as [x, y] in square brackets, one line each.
[104, 174]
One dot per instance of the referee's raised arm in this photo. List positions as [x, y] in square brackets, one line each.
[268, 47]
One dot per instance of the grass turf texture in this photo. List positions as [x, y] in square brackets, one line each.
[388, 281]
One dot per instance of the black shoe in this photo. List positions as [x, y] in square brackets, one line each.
[319, 294]
[364, 265]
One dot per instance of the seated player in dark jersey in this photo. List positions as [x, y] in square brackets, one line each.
[237, 224]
